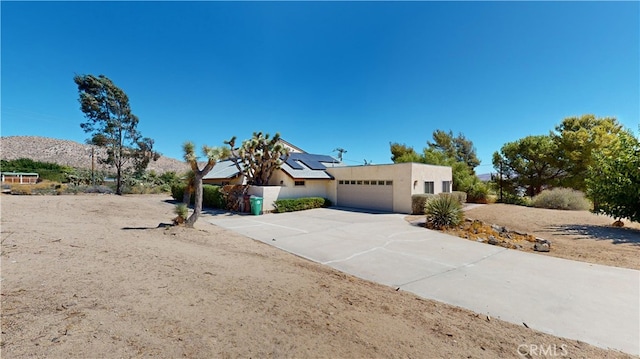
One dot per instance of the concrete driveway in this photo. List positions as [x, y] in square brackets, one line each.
[596, 304]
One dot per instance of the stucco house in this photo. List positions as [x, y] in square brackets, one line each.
[385, 188]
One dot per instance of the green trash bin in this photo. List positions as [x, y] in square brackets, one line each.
[256, 205]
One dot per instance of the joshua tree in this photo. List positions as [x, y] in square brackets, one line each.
[213, 155]
[258, 157]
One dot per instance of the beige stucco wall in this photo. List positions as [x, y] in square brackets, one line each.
[408, 179]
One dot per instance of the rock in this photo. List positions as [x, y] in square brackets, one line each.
[542, 247]
[543, 241]
[497, 228]
[493, 240]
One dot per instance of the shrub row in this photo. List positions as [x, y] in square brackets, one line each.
[300, 204]
[211, 195]
[419, 201]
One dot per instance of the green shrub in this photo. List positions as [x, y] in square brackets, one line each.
[478, 193]
[509, 198]
[418, 201]
[177, 191]
[562, 198]
[300, 204]
[211, 195]
[443, 211]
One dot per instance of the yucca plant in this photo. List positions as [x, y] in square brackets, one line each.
[181, 210]
[443, 211]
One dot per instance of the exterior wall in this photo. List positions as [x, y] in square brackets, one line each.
[311, 188]
[408, 179]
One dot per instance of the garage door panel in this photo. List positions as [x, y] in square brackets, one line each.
[377, 197]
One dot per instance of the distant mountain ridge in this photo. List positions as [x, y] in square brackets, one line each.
[70, 153]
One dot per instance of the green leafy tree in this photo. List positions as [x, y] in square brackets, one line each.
[529, 163]
[112, 124]
[613, 181]
[459, 147]
[258, 157]
[213, 154]
[578, 139]
[401, 153]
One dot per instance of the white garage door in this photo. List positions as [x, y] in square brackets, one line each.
[366, 194]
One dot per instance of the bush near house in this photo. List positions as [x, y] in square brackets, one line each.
[211, 195]
[418, 202]
[561, 198]
[300, 204]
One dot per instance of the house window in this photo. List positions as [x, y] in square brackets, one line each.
[389, 183]
[359, 182]
[366, 182]
[353, 182]
[428, 187]
[373, 183]
[446, 186]
[341, 182]
[299, 183]
[381, 183]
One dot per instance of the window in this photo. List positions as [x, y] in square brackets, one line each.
[353, 182]
[428, 187]
[366, 182]
[373, 183]
[389, 183]
[341, 182]
[446, 186]
[381, 183]
[359, 182]
[299, 183]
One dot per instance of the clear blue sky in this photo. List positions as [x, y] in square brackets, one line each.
[355, 75]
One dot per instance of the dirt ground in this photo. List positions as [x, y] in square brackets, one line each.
[92, 276]
[577, 235]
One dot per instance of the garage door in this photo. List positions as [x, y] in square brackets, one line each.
[366, 194]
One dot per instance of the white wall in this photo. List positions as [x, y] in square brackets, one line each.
[408, 179]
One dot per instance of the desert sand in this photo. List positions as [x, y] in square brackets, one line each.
[93, 276]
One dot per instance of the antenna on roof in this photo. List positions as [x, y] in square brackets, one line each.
[367, 163]
[340, 151]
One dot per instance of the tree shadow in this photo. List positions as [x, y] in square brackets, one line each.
[161, 225]
[600, 233]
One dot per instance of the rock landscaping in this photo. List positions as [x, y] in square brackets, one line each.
[476, 230]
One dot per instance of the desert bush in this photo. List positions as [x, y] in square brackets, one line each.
[458, 195]
[510, 198]
[478, 193]
[444, 211]
[562, 198]
[300, 204]
[211, 195]
[418, 202]
[75, 189]
[41, 188]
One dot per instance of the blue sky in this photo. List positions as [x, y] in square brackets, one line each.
[355, 75]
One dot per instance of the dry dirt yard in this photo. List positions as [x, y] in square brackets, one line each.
[577, 235]
[92, 276]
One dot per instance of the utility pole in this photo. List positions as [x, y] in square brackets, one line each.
[93, 167]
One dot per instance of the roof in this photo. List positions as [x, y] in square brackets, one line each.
[309, 166]
[19, 174]
[297, 165]
[223, 170]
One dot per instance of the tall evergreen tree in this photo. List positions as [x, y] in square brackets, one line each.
[112, 124]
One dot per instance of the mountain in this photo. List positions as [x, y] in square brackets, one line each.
[70, 153]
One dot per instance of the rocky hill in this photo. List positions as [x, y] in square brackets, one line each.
[69, 153]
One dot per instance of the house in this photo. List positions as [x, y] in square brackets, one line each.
[385, 188]
[19, 177]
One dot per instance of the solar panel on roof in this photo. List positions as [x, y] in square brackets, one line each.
[293, 164]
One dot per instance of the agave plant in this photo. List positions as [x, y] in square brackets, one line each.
[443, 211]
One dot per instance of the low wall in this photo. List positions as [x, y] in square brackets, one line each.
[270, 194]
